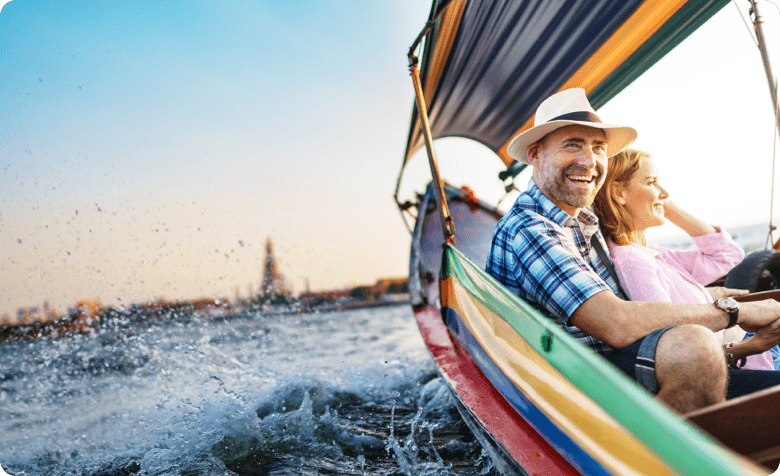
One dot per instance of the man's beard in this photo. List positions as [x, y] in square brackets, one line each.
[558, 188]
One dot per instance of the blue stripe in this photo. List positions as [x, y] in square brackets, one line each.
[570, 450]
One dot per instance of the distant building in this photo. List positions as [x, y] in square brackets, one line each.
[274, 289]
[27, 315]
[392, 285]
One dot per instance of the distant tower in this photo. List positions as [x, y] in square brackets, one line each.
[273, 287]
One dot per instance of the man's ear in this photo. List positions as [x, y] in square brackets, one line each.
[533, 152]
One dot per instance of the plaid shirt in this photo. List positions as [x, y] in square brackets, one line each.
[543, 255]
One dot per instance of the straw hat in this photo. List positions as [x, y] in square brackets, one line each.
[566, 108]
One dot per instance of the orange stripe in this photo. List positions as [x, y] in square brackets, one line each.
[447, 31]
[448, 28]
[573, 412]
[634, 32]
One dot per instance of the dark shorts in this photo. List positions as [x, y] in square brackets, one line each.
[638, 362]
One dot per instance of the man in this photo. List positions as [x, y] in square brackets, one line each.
[547, 250]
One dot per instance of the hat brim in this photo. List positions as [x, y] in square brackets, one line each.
[618, 137]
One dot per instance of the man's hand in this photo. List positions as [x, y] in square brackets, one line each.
[757, 314]
[718, 292]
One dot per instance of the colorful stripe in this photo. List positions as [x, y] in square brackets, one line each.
[687, 19]
[514, 445]
[573, 452]
[632, 34]
[581, 430]
[446, 30]
[579, 402]
[447, 27]
[492, 62]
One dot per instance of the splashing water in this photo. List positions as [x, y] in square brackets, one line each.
[337, 393]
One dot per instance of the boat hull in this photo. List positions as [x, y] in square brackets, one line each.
[538, 401]
[514, 446]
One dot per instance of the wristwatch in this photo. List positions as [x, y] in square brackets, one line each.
[731, 306]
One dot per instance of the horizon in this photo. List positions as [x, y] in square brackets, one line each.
[149, 149]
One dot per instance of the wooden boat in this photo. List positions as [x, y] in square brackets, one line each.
[538, 401]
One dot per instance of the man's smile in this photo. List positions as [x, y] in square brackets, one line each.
[581, 178]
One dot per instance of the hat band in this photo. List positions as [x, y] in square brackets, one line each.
[583, 116]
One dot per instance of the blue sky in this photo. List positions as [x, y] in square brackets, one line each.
[147, 149]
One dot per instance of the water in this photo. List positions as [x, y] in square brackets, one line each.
[351, 392]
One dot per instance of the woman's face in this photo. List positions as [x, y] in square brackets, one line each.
[643, 197]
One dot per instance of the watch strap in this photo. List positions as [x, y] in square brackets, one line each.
[733, 311]
[733, 317]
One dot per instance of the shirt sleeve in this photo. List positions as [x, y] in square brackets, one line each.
[549, 273]
[712, 257]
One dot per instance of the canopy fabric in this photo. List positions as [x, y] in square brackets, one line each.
[488, 64]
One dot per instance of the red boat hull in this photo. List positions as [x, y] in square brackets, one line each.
[515, 446]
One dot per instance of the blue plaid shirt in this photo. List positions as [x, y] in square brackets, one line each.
[545, 256]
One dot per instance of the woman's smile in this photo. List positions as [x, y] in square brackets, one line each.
[644, 197]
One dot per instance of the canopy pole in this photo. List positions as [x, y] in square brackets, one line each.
[757, 22]
[447, 226]
[770, 77]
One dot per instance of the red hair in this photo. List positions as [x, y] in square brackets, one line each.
[614, 220]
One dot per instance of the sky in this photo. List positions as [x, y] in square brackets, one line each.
[149, 149]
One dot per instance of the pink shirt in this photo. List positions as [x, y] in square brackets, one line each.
[653, 273]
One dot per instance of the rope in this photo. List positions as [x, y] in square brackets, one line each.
[770, 241]
[747, 27]
[758, 41]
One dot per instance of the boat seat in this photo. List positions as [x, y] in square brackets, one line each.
[748, 425]
[760, 296]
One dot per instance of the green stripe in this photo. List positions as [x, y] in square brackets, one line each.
[686, 448]
[687, 19]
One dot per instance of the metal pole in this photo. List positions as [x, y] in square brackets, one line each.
[438, 187]
[757, 21]
[770, 77]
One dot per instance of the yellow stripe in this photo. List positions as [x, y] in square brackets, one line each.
[448, 28]
[582, 419]
[639, 27]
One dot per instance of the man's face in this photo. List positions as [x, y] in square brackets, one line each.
[570, 165]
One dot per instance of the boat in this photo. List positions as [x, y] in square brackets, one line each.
[538, 401]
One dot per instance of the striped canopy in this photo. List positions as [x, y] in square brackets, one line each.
[488, 64]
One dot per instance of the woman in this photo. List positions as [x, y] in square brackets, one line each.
[631, 201]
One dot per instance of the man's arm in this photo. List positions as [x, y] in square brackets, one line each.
[619, 323]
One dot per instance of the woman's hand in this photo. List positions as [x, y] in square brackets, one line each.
[766, 337]
[718, 292]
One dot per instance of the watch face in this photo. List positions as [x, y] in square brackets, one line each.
[728, 303]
